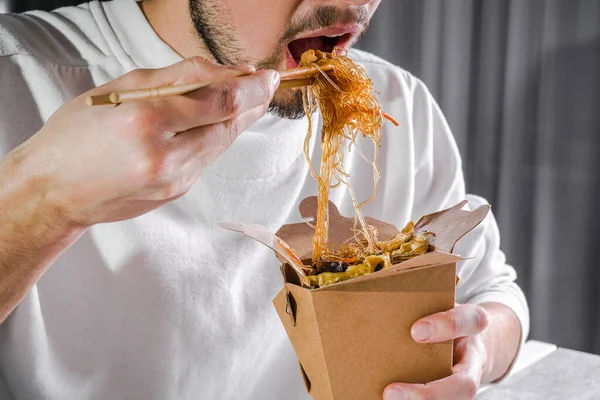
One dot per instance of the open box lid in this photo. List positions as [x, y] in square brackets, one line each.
[449, 226]
[293, 242]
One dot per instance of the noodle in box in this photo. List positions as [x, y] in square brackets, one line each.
[353, 286]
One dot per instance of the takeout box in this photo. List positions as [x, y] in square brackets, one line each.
[353, 338]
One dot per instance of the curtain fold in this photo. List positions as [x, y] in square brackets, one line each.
[5, 6]
[519, 82]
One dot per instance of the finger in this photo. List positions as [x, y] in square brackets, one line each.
[462, 384]
[215, 103]
[469, 355]
[209, 142]
[463, 320]
[194, 69]
[198, 69]
[456, 387]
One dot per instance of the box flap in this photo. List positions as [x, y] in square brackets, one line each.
[451, 225]
[293, 242]
[264, 236]
[299, 236]
[448, 226]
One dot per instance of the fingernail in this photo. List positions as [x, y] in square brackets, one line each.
[276, 78]
[421, 331]
[394, 394]
[248, 68]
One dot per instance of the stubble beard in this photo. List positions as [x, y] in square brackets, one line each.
[213, 26]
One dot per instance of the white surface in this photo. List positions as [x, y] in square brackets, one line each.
[532, 352]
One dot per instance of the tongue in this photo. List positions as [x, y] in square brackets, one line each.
[298, 47]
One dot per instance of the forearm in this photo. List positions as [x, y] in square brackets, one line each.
[32, 232]
[501, 339]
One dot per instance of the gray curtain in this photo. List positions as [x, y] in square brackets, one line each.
[5, 6]
[519, 81]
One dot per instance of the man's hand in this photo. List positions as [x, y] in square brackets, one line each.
[465, 323]
[101, 164]
[107, 163]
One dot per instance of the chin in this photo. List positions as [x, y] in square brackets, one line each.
[287, 104]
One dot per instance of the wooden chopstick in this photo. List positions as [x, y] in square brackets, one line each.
[296, 83]
[150, 93]
[304, 72]
[292, 78]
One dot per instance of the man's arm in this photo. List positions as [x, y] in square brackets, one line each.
[89, 165]
[33, 232]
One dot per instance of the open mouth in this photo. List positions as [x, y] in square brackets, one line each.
[324, 43]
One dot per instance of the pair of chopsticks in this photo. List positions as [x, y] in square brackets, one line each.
[292, 78]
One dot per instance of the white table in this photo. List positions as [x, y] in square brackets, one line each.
[546, 372]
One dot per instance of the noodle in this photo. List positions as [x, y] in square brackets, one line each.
[348, 108]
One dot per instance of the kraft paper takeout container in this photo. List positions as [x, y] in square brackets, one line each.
[353, 338]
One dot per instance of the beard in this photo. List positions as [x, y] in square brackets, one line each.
[213, 25]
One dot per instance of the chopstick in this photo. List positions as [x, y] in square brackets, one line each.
[292, 78]
[304, 72]
[296, 83]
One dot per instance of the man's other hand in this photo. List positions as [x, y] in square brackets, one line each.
[465, 323]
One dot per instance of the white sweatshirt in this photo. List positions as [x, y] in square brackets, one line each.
[168, 305]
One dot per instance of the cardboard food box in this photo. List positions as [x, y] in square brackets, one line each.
[353, 338]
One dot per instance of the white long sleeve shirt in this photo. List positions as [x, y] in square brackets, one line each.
[168, 305]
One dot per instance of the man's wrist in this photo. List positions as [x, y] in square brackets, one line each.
[30, 210]
[501, 340]
[33, 232]
[489, 344]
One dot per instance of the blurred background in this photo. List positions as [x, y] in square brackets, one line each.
[519, 81]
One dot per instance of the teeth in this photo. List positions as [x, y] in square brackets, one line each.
[333, 36]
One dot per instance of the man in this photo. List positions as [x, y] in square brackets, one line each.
[115, 281]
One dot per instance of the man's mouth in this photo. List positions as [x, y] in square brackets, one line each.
[325, 41]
